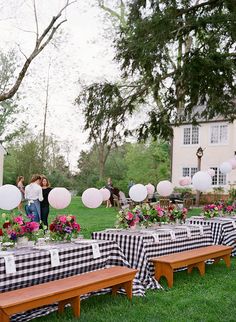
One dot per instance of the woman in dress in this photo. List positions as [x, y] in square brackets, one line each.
[21, 187]
[46, 187]
[33, 195]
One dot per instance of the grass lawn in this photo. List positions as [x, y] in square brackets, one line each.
[193, 298]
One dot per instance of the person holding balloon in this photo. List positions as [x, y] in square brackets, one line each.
[44, 204]
[33, 195]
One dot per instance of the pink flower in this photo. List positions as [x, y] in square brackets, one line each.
[63, 219]
[129, 216]
[18, 220]
[76, 226]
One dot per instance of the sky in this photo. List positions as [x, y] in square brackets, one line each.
[84, 54]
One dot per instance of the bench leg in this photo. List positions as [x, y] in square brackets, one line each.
[128, 289]
[200, 266]
[163, 269]
[226, 258]
[115, 288]
[75, 304]
[4, 317]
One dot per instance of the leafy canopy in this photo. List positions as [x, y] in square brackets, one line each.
[182, 54]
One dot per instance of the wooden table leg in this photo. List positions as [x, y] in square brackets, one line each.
[164, 269]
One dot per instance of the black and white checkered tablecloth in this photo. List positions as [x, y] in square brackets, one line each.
[34, 267]
[223, 230]
[140, 246]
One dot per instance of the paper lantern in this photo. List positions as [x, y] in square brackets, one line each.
[225, 167]
[105, 194]
[138, 192]
[211, 172]
[164, 188]
[185, 181]
[59, 198]
[92, 198]
[150, 188]
[201, 181]
[10, 197]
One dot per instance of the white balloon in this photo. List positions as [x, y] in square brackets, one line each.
[59, 198]
[202, 181]
[211, 172]
[165, 188]
[225, 167]
[10, 197]
[92, 198]
[233, 163]
[150, 188]
[105, 194]
[138, 192]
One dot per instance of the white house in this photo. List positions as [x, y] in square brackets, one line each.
[2, 153]
[217, 139]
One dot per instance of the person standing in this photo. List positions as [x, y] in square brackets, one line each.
[33, 195]
[44, 204]
[21, 187]
[109, 186]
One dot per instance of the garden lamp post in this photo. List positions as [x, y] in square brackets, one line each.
[199, 155]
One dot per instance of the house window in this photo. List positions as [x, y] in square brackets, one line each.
[189, 172]
[219, 178]
[219, 134]
[191, 135]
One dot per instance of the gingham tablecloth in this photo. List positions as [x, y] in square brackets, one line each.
[223, 229]
[140, 246]
[34, 267]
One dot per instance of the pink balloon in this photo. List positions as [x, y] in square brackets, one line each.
[92, 198]
[185, 181]
[59, 198]
[211, 172]
[105, 194]
[150, 188]
[233, 163]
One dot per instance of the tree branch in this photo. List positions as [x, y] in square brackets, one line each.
[41, 42]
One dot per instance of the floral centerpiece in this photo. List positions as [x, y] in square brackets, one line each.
[176, 214]
[16, 227]
[64, 228]
[144, 215]
[158, 214]
[127, 218]
[211, 210]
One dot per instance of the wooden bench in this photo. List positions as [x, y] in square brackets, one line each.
[165, 265]
[64, 291]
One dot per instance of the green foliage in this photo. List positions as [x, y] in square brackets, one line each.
[25, 158]
[9, 109]
[140, 162]
[182, 54]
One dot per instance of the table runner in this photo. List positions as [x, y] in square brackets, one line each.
[34, 267]
[138, 247]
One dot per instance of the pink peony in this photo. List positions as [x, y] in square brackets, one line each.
[63, 219]
[129, 216]
[18, 220]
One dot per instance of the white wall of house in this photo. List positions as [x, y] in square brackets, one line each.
[217, 139]
[2, 153]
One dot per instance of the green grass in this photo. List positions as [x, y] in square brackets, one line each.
[193, 298]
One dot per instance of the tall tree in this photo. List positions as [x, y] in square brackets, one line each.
[104, 119]
[42, 39]
[182, 52]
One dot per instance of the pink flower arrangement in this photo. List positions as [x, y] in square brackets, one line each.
[64, 227]
[15, 227]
